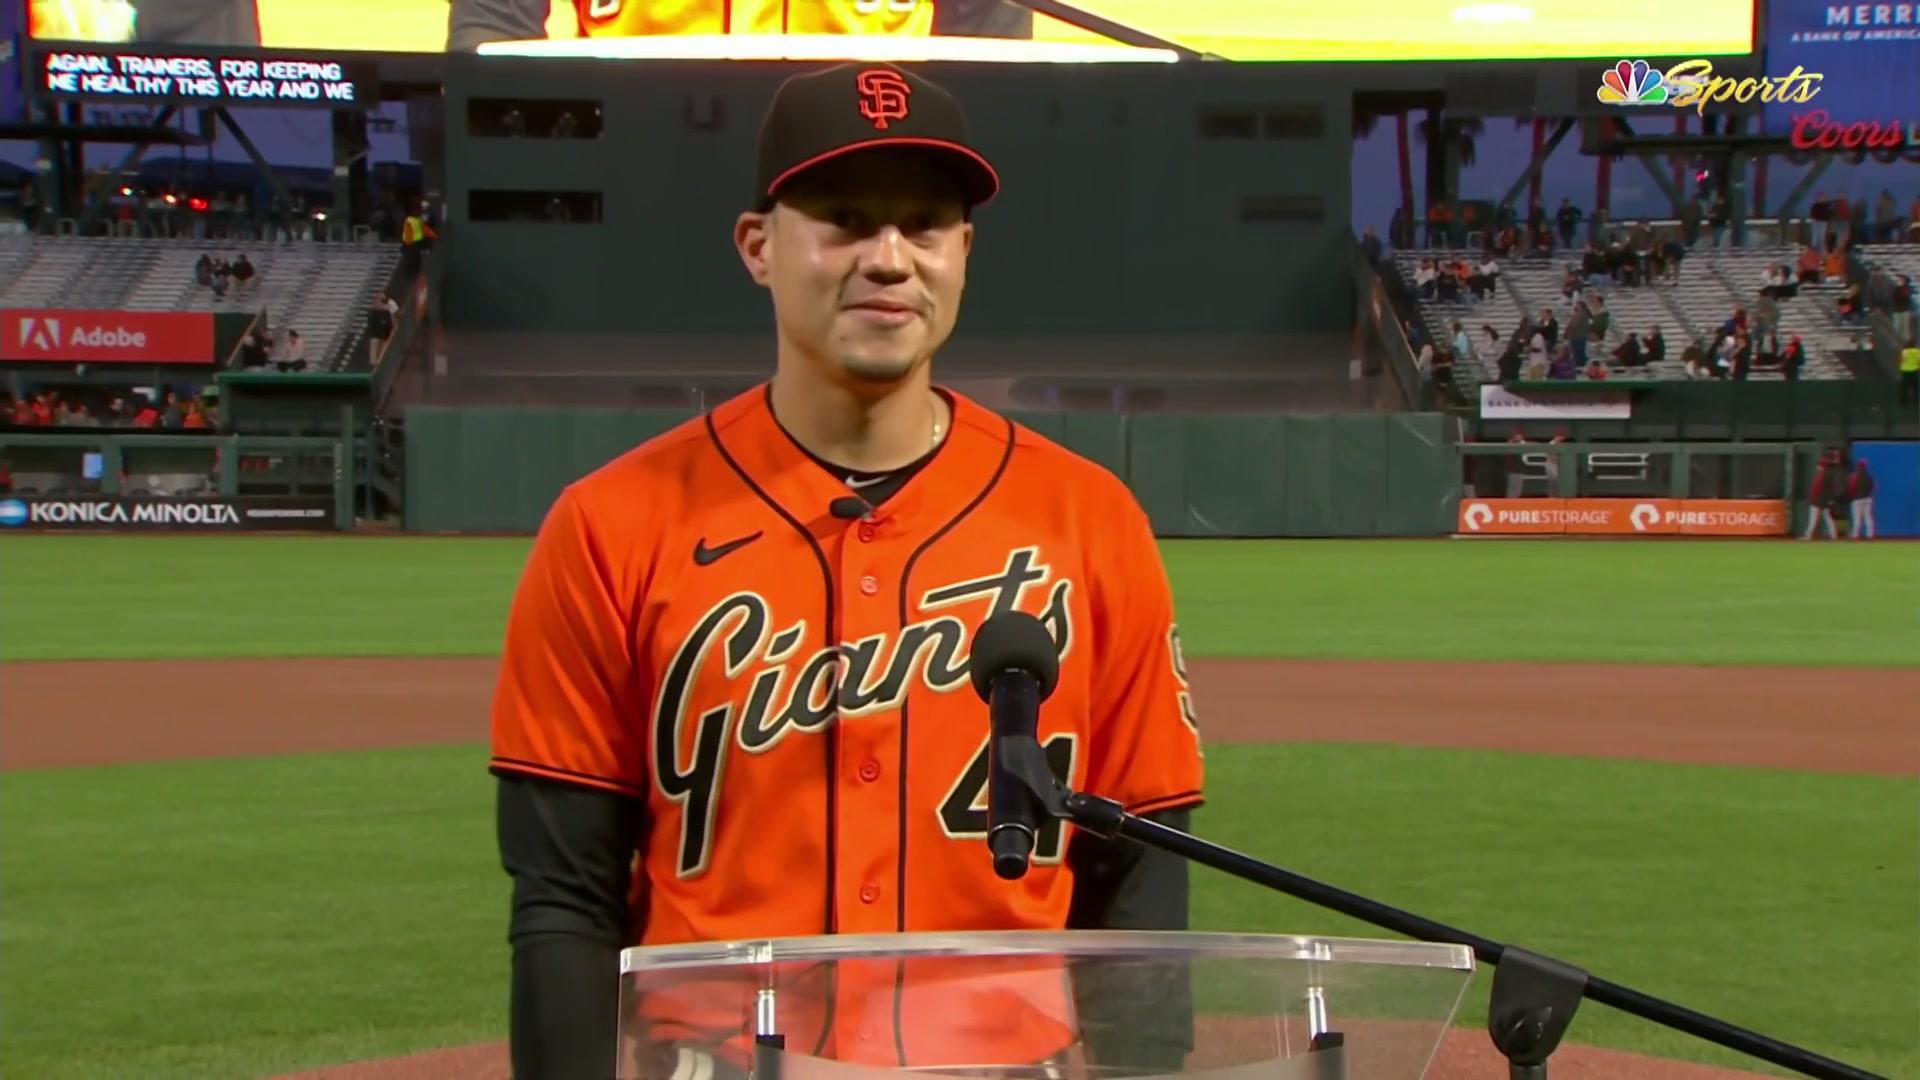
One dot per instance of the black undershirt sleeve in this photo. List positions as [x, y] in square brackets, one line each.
[1133, 1017]
[568, 850]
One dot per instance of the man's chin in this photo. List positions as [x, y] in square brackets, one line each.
[877, 370]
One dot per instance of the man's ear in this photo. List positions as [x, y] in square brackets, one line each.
[752, 237]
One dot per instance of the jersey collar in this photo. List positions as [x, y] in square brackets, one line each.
[968, 464]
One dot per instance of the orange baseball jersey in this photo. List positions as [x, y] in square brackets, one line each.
[787, 690]
[642, 18]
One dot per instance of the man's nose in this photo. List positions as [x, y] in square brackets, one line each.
[887, 256]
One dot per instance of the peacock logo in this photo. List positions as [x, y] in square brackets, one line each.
[1632, 83]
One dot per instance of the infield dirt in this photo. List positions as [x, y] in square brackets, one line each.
[1824, 719]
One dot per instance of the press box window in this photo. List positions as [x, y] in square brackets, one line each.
[539, 207]
[534, 118]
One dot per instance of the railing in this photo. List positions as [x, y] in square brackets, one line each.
[398, 354]
[1381, 314]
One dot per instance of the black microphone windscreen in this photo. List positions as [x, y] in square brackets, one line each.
[1013, 640]
[849, 507]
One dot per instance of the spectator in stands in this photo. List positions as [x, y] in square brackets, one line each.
[1910, 371]
[1579, 332]
[203, 271]
[222, 275]
[1539, 355]
[1505, 240]
[171, 413]
[1462, 344]
[243, 273]
[1593, 265]
[1448, 282]
[1886, 218]
[1541, 245]
[1549, 326]
[1810, 265]
[1766, 320]
[1640, 243]
[1860, 502]
[294, 356]
[1718, 219]
[1792, 358]
[1564, 366]
[1777, 282]
[1370, 246]
[1850, 308]
[1493, 340]
[1828, 491]
[252, 353]
[1819, 215]
[382, 315]
[1595, 370]
[1514, 355]
[1443, 369]
[76, 415]
[1654, 346]
[117, 414]
[195, 417]
[1426, 280]
[1673, 254]
[1739, 358]
[1567, 219]
[22, 413]
[43, 407]
[1689, 225]
[1696, 363]
[1629, 353]
[1484, 278]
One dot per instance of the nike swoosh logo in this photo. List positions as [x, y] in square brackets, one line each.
[869, 482]
[706, 556]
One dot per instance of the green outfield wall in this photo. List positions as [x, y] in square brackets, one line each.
[1216, 474]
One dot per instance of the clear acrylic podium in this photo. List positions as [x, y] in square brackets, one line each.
[1032, 1005]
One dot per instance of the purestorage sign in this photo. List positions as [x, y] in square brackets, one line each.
[1623, 517]
[116, 513]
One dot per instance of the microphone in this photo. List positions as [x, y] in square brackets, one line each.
[849, 508]
[1014, 668]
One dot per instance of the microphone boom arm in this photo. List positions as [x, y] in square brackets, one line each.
[1534, 997]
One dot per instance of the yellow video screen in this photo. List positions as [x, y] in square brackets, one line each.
[1150, 30]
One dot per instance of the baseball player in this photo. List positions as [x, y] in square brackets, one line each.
[733, 700]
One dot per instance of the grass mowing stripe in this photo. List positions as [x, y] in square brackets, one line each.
[1770, 899]
[226, 918]
[214, 918]
[123, 597]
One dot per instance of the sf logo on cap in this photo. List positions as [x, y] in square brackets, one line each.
[883, 96]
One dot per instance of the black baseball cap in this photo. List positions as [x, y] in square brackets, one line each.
[823, 115]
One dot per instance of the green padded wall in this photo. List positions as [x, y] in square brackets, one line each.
[1217, 474]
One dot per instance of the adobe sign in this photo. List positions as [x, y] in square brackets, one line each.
[73, 336]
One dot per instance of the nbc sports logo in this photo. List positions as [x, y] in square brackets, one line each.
[42, 334]
[1632, 83]
[13, 513]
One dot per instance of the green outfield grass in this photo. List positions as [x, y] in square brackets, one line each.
[75, 597]
[226, 919]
